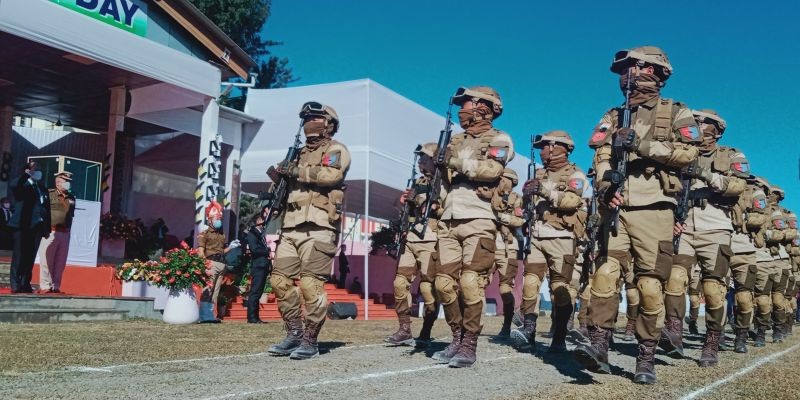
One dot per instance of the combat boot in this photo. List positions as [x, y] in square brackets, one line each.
[403, 335]
[523, 338]
[518, 318]
[777, 333]
[445, 355]
[594, 357]
[308, 349]
[740, 344]
[708, 356]
[630, 331]
[761, 337]
[293, 339]
[561, 318]
[723, 342]
[580, 335]
[466, 357]
[423, 341]
[508, 315]
[787, 329]
[693, 327]
[672, 337]
[646, 363]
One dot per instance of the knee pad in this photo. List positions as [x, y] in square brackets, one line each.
[560, 294]
[446, 288]
[530, 287]
[605, 281]
[401, 287]
[652, 296]
[313, 289]
[694, 300]
[426, 289]
[281, 285]
[744, 302]
[714, 292]
[764, 304]
[779, 302]
[472, 287]
[632, 296]
[679, 276]
[505, 288]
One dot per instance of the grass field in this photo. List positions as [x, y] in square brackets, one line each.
[145, 359]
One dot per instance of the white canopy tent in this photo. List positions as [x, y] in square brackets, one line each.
[380, 128]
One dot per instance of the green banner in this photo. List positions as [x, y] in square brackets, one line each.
[129, 15]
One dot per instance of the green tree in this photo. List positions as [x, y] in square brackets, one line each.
[242, 21]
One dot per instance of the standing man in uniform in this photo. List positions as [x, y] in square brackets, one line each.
[775, 236]
[474, 162]
[54, 249]
[766, 270]
[660, 142]
[310, 230]
[417, 258]
[790, 235]
[715, 189]
[556, 191]
[260, 267]
[30, 223]
[211, 245]
[509, 219]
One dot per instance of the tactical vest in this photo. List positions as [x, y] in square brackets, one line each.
[750, 211]
[326, 198]
[573, 221]
[720, 163]
[420, 191]
[483, 190]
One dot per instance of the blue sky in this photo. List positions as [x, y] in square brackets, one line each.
[549, 61]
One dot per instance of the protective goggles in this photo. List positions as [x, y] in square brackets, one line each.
[312, 109]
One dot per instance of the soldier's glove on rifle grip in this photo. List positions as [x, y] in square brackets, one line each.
[288, 169]
[695, 170]
[626, 138]
[532, 187]
[593, 221]
[605, 192]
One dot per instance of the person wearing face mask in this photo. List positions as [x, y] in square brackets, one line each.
[474, 163]
[6, 236]
[662, 139]
[717, 180]
[310, 231]
[54, 249]
[211, 245]
[556, 190]
[30, 223]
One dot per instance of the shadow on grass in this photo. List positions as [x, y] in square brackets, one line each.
[326, 347]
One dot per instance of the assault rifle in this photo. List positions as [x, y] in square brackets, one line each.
[592, 227]
[620, 154]
[274, 200]
[684, 201]
[529, 206]
[439, 163]
[397, 248]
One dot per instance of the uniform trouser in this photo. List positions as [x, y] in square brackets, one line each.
[304, 253]
[644, 236]
[555, 256]
[466, 254]
[711, 250]
[210, 293]
[26, 244]
[768, 275]
[631, 292]
[505, 263]
[743, 271]
[258, 278]
[780, 306]
[417, 258]
[53, 259]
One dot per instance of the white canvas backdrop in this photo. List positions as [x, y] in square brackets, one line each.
[84, 235]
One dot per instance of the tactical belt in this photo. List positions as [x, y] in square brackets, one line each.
[661, 205]
[215, 257]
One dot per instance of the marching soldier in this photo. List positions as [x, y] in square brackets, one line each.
[660, 142]
[556, 191]
[766, 270]
[310, 230]
[509, 219]
[717, 181]
[417, 259]
[775, 235]
[793, 253]
[474, 163]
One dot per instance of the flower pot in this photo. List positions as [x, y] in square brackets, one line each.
[181, 307]
[113, 248]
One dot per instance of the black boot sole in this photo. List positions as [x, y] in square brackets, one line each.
[584, 357]
[644, 379]
[521, 343]
[408, 342]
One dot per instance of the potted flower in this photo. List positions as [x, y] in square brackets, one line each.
[180, 270]
[134, 276]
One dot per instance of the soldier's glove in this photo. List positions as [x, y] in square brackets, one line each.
[593, 221]
[288, 169]
[605, 192]
[532, 187]
[695, 170]
[625, 138]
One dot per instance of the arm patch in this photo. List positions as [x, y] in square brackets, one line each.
[332, 159]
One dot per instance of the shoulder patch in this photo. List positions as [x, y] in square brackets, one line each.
[576, 184]
[498, 153]
[690, 132]
[333, 159]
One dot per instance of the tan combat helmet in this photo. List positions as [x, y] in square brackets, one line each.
[512, 175]
[740, 167]
[623, 59]
[561, 137]
[481, 93]
[428, 149]
[315, 109]
[710, 116]
[775, 189]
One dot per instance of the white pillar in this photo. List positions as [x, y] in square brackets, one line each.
[116, 123]
[206, 189]
[232, 185]
[6, 133]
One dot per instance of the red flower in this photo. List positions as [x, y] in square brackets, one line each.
[186, 275]
[158, 278]
[179, 272]
[198, 272]
[171, 280]
[164, 260]
[184, 245]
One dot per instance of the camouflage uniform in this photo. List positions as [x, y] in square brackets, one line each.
[660, 142]
[506, 252]
[309, 232]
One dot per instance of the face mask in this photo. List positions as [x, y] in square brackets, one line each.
[36, 175]
[476, 120]
[314, 128]
[554, 157]
[644, 87]
[65, 186]
[217, 224]
[710, 137]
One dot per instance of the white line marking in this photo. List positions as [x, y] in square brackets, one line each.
[357, 378]
[743, 371]
[88, 369]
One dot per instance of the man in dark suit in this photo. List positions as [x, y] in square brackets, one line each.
[260, 268]
[30, 223]
[6, 237]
